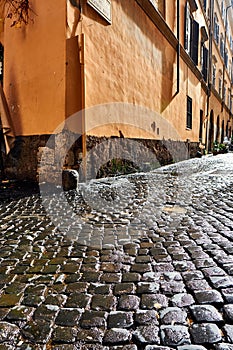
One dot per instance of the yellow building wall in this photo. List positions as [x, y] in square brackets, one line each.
[34, 69]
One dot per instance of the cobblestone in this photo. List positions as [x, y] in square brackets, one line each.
[175, 335]
[147, 334]
[154, 273]
[206, 313]
[206, 333]
[173, 315]
[117, 335]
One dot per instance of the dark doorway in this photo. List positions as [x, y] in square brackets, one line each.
[222, 133]
[201, 125]
[211, 132]
[218, 130]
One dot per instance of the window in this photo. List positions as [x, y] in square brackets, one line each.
[204, 4]
[188, 29]
[222, 46]
[191, 35]
[214, 76]
[216, 29]
[229, 99]
[226, 59]
[204, 62]
[223, 10]
[220, 85]
[189, 113]
[224, 93]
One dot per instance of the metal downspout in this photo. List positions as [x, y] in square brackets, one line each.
[209, 70]
[224, 57]
[81, 44]
[210, 54]
[178, 46]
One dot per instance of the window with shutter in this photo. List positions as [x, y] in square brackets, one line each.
[229, 99]
[214, 76]
[224, 92]
[220, 85]
[204, 62]
[222, 46]
[195, 41]
[226, 58]
[216, 29]
[191, 40]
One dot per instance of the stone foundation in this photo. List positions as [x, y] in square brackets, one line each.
[25, 159]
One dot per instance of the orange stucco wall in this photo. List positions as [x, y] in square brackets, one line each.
[50, 73]
[130, 61]
[35, 69]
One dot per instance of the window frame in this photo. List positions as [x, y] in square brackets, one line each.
[216, 29]
[191, 34]
[214, 69]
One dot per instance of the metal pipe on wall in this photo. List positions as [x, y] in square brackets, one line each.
[210, 54]
[178, 46]
[224, 58]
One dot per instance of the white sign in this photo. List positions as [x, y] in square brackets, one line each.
[103, 7]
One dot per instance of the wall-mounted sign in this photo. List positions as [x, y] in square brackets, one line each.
[103, 7]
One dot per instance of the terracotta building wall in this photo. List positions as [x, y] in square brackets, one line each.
[131, 61]
[35, 69]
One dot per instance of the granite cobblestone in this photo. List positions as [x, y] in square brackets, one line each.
[156, 277]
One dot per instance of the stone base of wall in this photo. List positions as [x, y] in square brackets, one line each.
[25, 160]
[21, 162]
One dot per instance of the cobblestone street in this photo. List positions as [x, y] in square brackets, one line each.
[129, 263]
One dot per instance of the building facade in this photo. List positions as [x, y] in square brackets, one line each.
[172, 58]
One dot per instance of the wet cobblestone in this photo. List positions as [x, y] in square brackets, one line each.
[155, 273]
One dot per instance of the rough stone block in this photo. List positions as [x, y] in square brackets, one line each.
[117, 335]
[70, 179]
[120, 319]
[206, 313]
[147, 334]
[205, 333]
[175, 335]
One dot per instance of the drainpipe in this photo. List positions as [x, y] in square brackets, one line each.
[209, 72]
[81, 44]
[82, 64]
[210, 55]
[224, 56]
[178, 46]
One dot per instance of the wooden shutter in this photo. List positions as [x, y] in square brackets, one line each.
[205, 63]
[195, 41]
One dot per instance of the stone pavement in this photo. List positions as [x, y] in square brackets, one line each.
[136, 262]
